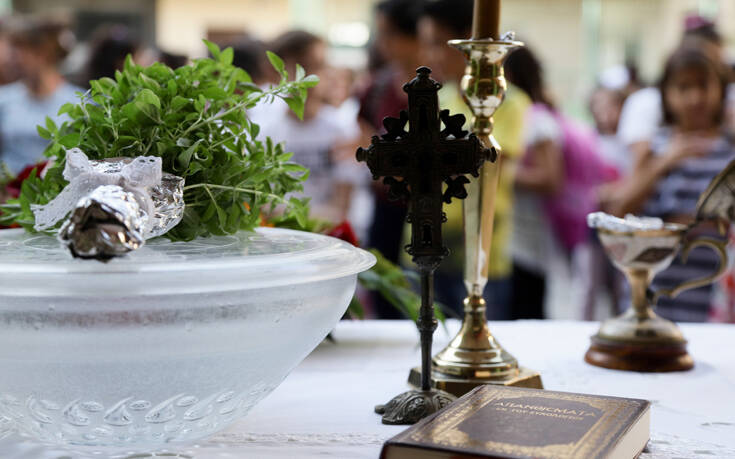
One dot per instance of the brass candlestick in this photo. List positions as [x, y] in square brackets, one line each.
[474, 357]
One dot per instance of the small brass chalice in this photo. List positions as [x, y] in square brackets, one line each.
[640, 340]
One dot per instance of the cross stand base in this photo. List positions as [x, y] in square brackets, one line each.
[414, 405]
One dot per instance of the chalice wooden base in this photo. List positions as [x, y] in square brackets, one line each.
[644, 357]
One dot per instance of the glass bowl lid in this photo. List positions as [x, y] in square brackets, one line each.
[37, 265]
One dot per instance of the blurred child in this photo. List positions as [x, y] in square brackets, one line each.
[605, 107]
[683, 157]
[353, 193]
[313, 139]
[642, 112]
[602, 279]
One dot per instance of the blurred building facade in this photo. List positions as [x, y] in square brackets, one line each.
[575, 38]
[85, 15]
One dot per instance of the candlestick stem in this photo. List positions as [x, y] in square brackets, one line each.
[478, 208]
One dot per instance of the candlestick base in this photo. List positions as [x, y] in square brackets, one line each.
[414, 405]
[474, 357]
[458, 386]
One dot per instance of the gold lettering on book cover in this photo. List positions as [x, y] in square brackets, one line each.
[591, 423]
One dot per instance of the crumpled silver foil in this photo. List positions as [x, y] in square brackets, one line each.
[168, 197]
[113, 205]
[628, 224]
[168, 205]
[105, 224]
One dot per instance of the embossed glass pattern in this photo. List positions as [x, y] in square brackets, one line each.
[168, 344]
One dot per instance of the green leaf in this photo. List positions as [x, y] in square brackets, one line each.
[226, 56]
[254, 130]
[244, 77]
[310, 81]
[66, 108]
[107, 84]
[172, 87]
[43, 132]
[129, 67]
[150, 82]
[277, 63]
[215, 92]
[209, 213]
[300, 73]
[233, 216]
[144, 108]
[213, 49]
[300, 210]
[185, 156]
[178, 102]
[50, 125]
[296, 105]
[70, 140]
[148, 97]
[221, 217]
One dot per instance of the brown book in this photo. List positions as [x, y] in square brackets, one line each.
[511, 422]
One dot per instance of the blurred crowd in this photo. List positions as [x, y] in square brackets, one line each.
[43, 67]
[650, 149]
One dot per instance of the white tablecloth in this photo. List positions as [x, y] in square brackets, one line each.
[325, 407]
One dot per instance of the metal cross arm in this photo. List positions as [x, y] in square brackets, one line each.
[416, 162]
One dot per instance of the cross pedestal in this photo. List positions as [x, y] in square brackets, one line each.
[416, 164]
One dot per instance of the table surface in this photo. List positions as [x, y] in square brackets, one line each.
[325, 407]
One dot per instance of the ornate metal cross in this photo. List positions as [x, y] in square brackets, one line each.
[416, 164]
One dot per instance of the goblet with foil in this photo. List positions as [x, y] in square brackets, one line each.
[639, 339]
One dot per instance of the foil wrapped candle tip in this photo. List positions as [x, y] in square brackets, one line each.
[112, 206]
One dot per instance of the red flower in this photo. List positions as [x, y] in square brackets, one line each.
[344, 231]
[13, 188]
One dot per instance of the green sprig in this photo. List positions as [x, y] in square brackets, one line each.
[195, 119]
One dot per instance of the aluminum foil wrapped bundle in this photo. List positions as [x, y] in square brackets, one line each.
[113, 205]
[106, 223]
[629, 224]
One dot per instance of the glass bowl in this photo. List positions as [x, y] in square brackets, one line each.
[168, 344]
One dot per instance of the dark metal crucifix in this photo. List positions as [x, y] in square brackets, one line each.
[416, 164]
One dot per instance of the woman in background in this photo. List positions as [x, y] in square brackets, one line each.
[539, 174]
[40, 46]
[556, 182]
